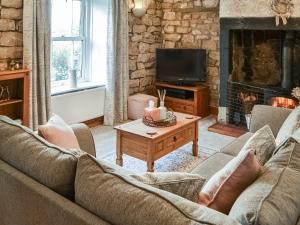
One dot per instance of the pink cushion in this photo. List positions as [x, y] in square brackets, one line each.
[57, 132]
[222, 189]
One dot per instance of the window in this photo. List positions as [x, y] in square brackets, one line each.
[78, 44]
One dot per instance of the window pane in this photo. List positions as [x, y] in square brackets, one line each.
[66, 55]
[66, 18]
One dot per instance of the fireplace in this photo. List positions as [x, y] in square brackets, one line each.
[259, 61]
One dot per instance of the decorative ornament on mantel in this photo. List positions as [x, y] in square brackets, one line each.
[282, 9]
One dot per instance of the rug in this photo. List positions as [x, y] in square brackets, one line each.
[181, 160]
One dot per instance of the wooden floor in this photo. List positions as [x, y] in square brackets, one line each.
[227, 129]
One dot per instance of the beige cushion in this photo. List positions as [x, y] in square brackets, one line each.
[263, 143]
[121, 200]
[137, 104]
[274, 198]
[221, 191]
[212, 164]
[46, 163]
[235, 147]
[289, 126]
[185, 185]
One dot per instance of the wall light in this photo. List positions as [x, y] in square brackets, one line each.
[138, 7]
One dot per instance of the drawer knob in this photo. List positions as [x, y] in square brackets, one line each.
[174, 139]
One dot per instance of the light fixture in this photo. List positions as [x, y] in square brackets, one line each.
[138, 7]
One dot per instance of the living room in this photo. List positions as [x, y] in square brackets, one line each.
[116, 111]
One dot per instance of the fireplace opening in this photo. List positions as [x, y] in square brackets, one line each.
[264, 67]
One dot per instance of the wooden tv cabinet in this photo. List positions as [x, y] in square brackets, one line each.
[197, 105]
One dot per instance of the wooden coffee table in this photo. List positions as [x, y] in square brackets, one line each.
[133, 140]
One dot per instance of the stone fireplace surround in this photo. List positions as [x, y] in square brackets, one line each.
[245, 15]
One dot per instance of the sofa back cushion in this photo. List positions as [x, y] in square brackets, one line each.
[110, 193]
[274, 198]
[51, 166]
[186, 185]
[289, 126]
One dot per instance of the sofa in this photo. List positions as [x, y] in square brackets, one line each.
[39, 188]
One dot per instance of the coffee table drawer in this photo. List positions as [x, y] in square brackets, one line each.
[176, 140]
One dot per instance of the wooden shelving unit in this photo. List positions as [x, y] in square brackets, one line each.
[17, 107]
[197, 105]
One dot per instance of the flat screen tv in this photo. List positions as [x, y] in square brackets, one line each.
[181, 66]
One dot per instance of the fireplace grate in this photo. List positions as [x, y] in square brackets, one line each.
[242, 97]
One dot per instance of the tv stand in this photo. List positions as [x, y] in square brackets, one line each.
[195, 103]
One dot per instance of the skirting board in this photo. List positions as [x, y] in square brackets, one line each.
[94, 122]
[214, 110]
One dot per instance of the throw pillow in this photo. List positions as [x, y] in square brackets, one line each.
[263, 143]
[119, 199]
[222, 189]
[289, 126]
[186, 185]
[57, 132]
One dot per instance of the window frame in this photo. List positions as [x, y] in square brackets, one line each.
[84, 38]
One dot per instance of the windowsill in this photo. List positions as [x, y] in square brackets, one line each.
[83, 88]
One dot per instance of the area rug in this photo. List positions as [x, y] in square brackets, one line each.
[180, 160]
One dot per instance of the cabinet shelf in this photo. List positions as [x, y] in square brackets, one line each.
[197, 105]
[17, 82]
[10, 102]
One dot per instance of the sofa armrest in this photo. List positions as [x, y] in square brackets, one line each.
[85, 138]
[264, 114]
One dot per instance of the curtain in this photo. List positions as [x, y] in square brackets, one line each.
[117, 63]
[36, 56]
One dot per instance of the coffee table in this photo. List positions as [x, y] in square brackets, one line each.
[133, 139]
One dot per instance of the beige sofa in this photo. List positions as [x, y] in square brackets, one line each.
[27, 193]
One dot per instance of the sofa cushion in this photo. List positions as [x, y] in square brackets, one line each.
[211, 165]
[121, 200]
[31, 154]
[289, 126]
[57, 132]
[235, 147]
[186, 185]
[263, 143]
[275, 197]
[221, 190]
[288, 155]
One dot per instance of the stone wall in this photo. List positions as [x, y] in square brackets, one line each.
[194, 24]
[174, 24]
[11, 38]
[144, 38]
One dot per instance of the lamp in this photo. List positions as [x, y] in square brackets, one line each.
[138, 7]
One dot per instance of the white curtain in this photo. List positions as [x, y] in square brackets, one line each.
[117, 63]
[36, 56]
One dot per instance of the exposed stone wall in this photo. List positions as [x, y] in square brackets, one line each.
[144, 38]
[194, 24]
[173, 24]
[11, 38]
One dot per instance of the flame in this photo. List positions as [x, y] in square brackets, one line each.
[283, 102]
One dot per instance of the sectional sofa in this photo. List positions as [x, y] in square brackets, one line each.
[43, 184]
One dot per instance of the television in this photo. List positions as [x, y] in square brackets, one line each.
[181, 66]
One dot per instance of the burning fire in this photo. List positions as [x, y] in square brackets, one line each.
[283, 102]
